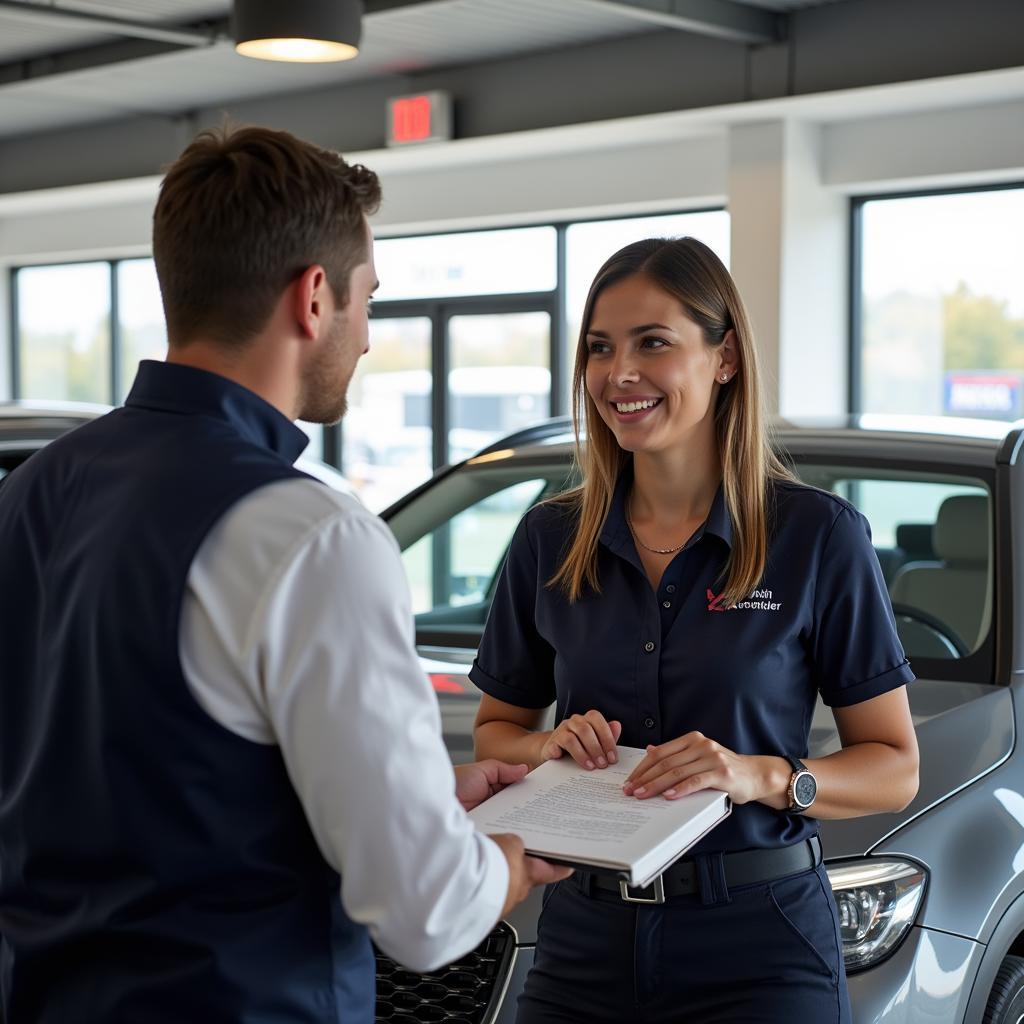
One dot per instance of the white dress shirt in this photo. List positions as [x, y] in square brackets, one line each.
[297, 630]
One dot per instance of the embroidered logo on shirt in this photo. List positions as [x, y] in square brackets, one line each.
[759, 601]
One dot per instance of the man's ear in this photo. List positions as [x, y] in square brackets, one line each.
[308, 296]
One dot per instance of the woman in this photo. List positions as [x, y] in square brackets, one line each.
[692, 598]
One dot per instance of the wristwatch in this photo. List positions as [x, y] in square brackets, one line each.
[803, 787]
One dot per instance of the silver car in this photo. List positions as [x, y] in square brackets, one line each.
[931, 899]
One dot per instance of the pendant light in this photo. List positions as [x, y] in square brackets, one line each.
[305, 31]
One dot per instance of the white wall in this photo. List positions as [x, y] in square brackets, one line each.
[785, 169]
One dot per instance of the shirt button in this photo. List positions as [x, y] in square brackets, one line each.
[648, 723]
[671, 588]
[666, 604]
[649, 646]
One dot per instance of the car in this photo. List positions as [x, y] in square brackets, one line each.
[931, 899]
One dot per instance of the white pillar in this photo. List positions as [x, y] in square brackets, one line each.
[789, 255]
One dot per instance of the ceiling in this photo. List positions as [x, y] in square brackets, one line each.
[55, 74]
[96, 91]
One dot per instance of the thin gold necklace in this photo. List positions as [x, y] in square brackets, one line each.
[654, 551]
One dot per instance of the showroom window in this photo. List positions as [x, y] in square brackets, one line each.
[938, 304]
[80, 329]
[63, 346]
[492, 315]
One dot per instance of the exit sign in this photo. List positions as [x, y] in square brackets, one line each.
[423, 117]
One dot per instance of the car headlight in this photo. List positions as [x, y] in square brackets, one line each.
[877, 900]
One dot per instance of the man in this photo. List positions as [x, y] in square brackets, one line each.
[212, 720]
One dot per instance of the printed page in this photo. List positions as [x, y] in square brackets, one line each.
[563, 811]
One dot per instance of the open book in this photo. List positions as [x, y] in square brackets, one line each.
[569, 815]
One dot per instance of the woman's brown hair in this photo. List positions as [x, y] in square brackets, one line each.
[689, 270]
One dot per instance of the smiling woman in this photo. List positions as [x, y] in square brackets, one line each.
[692, 598]
[664, 324]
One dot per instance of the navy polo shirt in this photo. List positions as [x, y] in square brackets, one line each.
[673, 661]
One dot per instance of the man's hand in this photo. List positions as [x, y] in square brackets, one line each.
[474, 783]
[525, 872]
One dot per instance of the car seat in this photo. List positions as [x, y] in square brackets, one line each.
[954, 588]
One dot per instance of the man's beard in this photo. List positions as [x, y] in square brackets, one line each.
[325, 398]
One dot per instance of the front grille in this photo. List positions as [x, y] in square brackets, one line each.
[464, 992]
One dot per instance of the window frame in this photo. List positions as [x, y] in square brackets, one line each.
[855, 318]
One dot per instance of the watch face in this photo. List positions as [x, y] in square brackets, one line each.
[805, 789]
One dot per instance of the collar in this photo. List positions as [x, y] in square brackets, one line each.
[616, 535]
[172, 387]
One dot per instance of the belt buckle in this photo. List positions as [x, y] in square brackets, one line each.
[659, 892]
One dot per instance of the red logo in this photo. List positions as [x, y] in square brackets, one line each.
[715, 602]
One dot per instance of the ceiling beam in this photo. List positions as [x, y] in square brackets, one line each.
[106, 24]
[723, 19]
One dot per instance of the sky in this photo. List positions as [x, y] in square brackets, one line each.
[928, 244]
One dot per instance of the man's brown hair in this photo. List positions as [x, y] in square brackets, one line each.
[242, 212]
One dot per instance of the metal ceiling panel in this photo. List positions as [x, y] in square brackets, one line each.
[403, 39]
[784, 6]
[23, 39]
[395, 41]
[462, 31]
[142, 10]
[157, 10]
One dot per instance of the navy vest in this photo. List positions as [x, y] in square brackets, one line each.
[154, 866]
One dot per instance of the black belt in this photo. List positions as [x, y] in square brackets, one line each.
[747, 867]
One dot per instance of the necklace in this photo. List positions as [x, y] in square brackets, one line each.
[654, 551]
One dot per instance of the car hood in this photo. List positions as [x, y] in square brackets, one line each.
[944, 713]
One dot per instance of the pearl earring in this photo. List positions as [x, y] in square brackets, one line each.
[725, 377]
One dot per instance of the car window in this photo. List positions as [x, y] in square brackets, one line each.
[933, 538]
[454, 539]
[453, 566]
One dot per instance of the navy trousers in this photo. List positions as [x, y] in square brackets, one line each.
[760, 954]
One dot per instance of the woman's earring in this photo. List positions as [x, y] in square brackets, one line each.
[725, 377]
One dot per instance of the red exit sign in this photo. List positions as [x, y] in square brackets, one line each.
[424, 117]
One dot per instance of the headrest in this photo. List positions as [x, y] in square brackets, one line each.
[916, 540]
[961, 529]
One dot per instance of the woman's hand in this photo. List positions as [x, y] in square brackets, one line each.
[588, 739]
[694, 762]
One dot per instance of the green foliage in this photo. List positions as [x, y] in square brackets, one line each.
[979, 333]
[54, 367]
